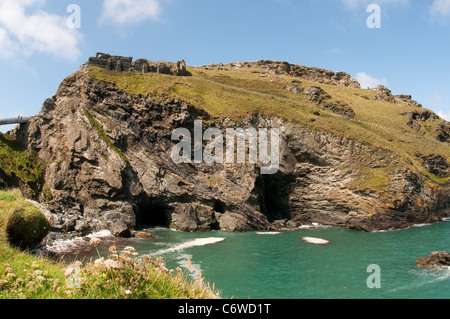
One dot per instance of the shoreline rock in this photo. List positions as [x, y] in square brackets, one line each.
[434, 260]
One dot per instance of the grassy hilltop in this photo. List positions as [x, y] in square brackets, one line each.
[225, 91]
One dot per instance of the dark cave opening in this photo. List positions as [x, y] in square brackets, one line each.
[153, 213]
[219, 207]
[275, 192]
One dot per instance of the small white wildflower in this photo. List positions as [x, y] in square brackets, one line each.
[128, 292]
[40, 279]
[72, 268]
[37, 273]
[129, 249]
[113, 249]
[69, 271]
[3, 283]
[99, 262]
[95, 242]
[10, 276]
[112, 264]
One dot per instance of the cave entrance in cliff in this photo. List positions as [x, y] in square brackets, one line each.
[276, 191]
[153, 213]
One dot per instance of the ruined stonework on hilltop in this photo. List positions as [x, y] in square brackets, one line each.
[126, 64]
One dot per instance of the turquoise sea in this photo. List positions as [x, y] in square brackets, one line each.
[278, 265]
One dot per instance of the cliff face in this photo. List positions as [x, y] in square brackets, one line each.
[109, 165]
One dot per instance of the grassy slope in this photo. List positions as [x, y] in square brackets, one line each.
[16, 160]
[23, 275]
[377, 123]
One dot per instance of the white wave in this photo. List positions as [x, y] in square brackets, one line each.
[100, 234]
[428, 276]
[63, 246]
[189, 244]
[420, 225]
[195, 270]
[317, 241]
[67, 245]
[305, 227]
[268, 233]
[313, 226]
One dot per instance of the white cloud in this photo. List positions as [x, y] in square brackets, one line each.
[123, 12]
[368, 81]
[23, 33]
[445, 116]
[440, 9]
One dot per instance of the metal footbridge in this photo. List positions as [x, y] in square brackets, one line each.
[15, 120]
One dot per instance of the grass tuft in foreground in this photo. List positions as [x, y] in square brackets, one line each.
[122, 275]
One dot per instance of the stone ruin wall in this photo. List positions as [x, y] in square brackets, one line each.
[126, 64]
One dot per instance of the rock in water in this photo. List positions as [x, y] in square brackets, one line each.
[143, 235]
[435, 259]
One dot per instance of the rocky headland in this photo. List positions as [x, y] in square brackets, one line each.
[108, 158]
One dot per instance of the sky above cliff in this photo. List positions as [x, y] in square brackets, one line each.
[402, 44]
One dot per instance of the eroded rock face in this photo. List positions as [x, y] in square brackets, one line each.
[137, 183]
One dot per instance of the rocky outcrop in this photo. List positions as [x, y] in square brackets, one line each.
[109, 165]
[435, 164]
[415, 119]
[317, 94]
[408, 100]
[308, 73]
[435, 259]
[126, 64]
[442, 134]
[384, 94]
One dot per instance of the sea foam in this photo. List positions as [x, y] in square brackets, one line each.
[189, 244]
[268, 233]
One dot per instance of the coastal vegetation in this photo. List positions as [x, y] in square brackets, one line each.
[19, 165]
[121, 275]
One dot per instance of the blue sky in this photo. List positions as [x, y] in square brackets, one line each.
[409, 53]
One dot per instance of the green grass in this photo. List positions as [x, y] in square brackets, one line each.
[122, 275]
[17, 161]
[370, 179]
[105, 137]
